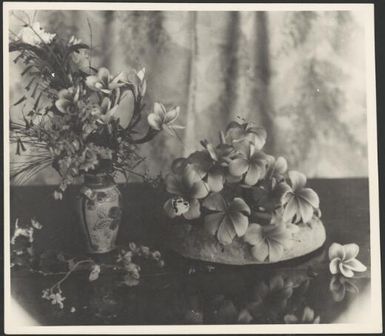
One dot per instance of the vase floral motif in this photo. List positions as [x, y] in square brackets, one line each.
[100, 212]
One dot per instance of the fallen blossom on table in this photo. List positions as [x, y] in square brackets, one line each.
[343, 259]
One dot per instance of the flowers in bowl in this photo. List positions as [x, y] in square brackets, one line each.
[72, 113]
[242, 193]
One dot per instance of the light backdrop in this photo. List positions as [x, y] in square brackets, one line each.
[301, 75]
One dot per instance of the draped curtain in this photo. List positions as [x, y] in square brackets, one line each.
[300, 75]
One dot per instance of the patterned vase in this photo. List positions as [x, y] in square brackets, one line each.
[100, 209]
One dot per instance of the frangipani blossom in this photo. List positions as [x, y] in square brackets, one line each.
[104, 82]
[278, 168]
[268, 241]
[161, 119]
[106, 111]
[212, 163]
[343, 259]
[67, 100]
[35, 35]
[251, 162]
[188, 188]
[229, 219]
[267, 194]
[299, 202]
[248, 132]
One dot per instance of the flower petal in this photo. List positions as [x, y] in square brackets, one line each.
[275, 251]
[62, 105]
[239, 205]
[238, 167]
[305, 209]
[202, 161]
[160, 110]
[280, 165]
[169, 209]
[310, 196]
[333, 265]
[190, 176]
[178, 165]
[173, 185]
[355, 265]
[290, 209]
[155, 121]
[194, 210]
[254, 234]
[215, 202]
[226, 232]
[91, 81]
[351, 251]
[345, 271]
[283, 191]
[172, 115]
[297, 179]
[260, 251]
[240, 223]
[199, 190]
[336, 251]
[104, 74]
[253, 175]
[212, 221]
[215, 180]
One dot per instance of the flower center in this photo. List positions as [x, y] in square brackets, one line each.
[180, 205]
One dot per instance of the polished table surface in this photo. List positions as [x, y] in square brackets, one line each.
[187, 291]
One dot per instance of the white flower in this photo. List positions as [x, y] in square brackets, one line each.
[160, 118]
[58, 195]
[73, 40]
[37, 225]
[141, 74]
[95, 271]
[45, 294]
[57, 298]
[35, 35]
[343, 260]
[24, 232]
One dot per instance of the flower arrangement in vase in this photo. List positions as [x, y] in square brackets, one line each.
[240, 204]
[71, 121]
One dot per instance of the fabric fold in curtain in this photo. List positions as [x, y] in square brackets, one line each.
[301, 75]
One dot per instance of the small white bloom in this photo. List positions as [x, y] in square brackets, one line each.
[35, 35]
[73, 40]
[95, 271]
[57, 195]
[57, 298]
[141, 74]
[36, 224]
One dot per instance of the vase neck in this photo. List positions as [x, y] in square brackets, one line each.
[98, 179]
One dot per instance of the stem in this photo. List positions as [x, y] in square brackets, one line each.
[57, 285]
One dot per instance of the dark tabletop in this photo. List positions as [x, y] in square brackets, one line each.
[187, 291]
